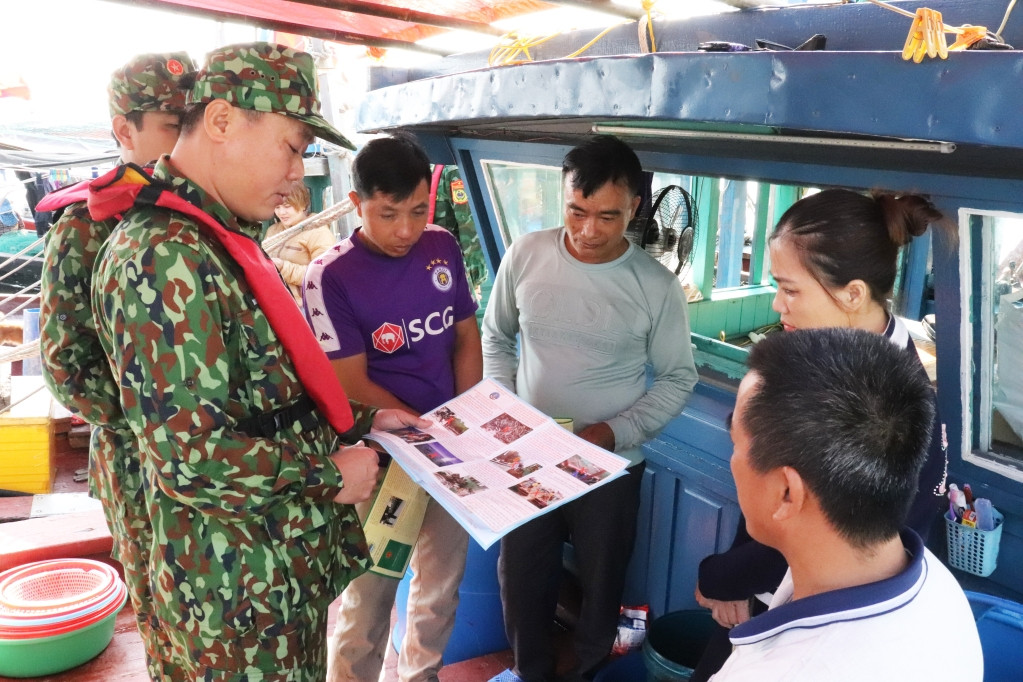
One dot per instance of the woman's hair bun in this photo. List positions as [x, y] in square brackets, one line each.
[906, 216]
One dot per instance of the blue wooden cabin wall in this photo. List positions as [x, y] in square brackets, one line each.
[535, 112]
[689, 507]
[848, 27]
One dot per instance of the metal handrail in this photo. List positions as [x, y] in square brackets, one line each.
[23, 398]
[23, 304]
[324, 217]
[18, 255]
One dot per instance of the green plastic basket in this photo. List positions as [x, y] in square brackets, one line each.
[49, 655]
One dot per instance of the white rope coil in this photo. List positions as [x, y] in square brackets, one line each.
[27, 350]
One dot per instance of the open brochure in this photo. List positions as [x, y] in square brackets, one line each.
[494, 462]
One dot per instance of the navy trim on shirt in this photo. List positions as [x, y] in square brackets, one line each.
[848, 604]
[897, 333]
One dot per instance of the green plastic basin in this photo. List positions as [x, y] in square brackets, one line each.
[48, 655]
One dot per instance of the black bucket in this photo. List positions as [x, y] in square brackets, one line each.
[674, 644]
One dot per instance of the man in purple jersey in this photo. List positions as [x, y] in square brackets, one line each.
[391, 307]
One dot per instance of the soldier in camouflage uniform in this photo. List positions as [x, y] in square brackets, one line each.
[146, 102]
[254, 532]
[451, 211]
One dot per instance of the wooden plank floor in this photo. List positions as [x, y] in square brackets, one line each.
[124, 659]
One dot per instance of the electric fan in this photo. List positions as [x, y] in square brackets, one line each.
[666, 228]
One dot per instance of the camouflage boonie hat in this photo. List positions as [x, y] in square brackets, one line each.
[149, 82]
[269, 78]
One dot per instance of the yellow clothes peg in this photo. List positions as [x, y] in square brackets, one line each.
[915, 39]
[968, 36]
[926, 36]
[936, 36]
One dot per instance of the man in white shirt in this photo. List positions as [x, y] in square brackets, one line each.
[830, 429]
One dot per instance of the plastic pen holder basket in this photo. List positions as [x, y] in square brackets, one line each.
[972, 550]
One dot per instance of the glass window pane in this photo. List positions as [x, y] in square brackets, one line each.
[526, 197]
[1006, 259]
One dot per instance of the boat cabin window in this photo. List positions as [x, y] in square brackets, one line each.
[526, 197]
[992, 331]
[710, 231]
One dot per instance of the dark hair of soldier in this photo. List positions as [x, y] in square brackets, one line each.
[194, 112]
[135, 118]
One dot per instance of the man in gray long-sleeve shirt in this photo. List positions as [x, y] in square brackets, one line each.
[592, 314]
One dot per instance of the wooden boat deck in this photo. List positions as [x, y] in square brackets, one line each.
[85, 534]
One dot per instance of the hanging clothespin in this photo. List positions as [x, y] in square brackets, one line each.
[969, 35]
[926, 36]
[936, 35]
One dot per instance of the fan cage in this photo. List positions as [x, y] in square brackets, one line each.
[666, 228]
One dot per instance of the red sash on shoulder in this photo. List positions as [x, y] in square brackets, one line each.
[127, 185]
[64, 196]
[438, 170]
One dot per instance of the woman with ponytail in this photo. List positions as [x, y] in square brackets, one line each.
[834, 258]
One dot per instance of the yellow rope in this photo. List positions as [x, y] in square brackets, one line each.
[648, 6]
[589, 44]
[513, 47]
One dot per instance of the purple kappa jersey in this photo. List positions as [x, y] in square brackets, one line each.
[400, 312]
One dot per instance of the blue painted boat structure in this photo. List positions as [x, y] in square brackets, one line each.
[855, 116]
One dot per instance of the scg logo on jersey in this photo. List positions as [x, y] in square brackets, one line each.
[433, 324]
[389, 337]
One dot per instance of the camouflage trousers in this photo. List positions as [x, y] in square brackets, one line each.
[243, 603]
[298, 655]
[115, 479]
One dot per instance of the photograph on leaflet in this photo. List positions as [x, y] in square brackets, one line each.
[392, 511]
[450, 421]
[587, 472]
[506, 428]
[536, 493]
[436, 453]
[512, 463]
[458, 484]
[411, 434]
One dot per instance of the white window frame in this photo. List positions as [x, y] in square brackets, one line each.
[982, 456]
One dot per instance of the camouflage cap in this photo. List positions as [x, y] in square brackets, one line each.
[269, 78]
[149, 82]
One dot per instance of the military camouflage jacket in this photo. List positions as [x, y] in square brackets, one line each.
[74, 364]
[451, 211]
[196, 355]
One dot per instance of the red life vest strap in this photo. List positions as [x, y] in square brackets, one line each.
[438, 170]
[129, 185]
[64, 196]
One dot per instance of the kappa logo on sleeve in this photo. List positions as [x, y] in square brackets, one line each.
[388, 338]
